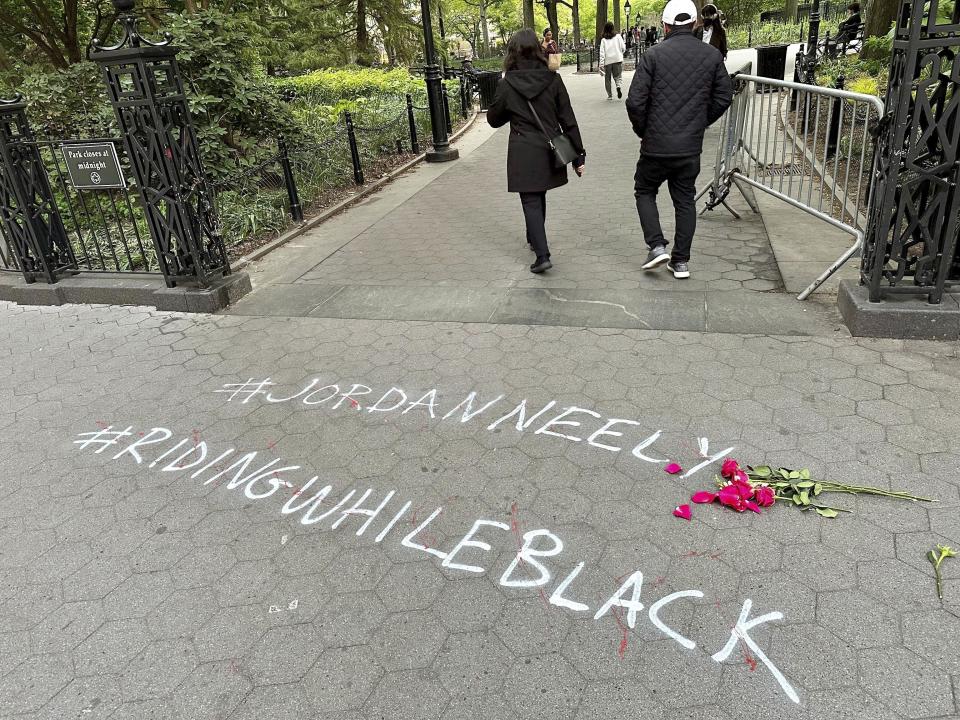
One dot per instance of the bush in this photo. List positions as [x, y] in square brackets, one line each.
[768, 33]
[329, 87]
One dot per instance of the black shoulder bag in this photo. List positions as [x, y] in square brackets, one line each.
[561, 147]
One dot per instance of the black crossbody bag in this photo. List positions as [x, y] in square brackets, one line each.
[561, 146]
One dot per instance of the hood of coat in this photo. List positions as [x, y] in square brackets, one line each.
[530, 83]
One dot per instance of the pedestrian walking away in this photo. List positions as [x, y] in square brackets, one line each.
[680, 88]
[612, 49]
[534, 101]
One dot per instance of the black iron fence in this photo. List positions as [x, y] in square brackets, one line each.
[106, 230]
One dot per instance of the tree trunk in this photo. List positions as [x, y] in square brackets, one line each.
[601, 21]
[880, 15]
[616, 15]
[363, 40]
[790, 11]
[575, 12]
[551, 8]
[485, 29]
[528, 18]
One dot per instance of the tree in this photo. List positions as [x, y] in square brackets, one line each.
[616, 15]
[880, 15]
[790, 10]
[528, 18]
[601, 20]
[59, 30]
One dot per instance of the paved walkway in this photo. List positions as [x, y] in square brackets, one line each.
[257, 516]
[455, 231]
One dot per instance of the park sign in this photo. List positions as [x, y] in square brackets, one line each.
[93, 166]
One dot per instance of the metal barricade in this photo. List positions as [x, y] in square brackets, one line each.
[809, 146]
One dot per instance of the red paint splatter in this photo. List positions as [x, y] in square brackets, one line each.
[234, 667]
[355, 403]
[140, 434]
[659, 581]
[624, 632]
[102, 425]
[515, 523]
[196, 437]
[712, 555]
[748, 658]
[271, 444]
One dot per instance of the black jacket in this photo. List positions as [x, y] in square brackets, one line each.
[529, 159]
[680, 88]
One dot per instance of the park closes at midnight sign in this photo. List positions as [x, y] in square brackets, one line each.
[93, 166]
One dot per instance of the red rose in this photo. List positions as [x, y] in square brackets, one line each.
[729, 468]
[765, 496]
[730, 495]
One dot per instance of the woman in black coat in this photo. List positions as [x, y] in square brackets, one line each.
[530, 167]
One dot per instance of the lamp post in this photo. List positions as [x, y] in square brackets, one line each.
[626, 9]
[442, 152]
[813, 39]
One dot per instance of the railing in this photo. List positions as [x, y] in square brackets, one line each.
[106, 229]
[809, 146]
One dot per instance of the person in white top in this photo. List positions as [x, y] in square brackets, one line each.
[612, 48]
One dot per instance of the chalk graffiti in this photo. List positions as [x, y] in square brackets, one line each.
[521, 416]
[260, 481]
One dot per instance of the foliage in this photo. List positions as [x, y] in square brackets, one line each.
[235, 109]
[768, 33]
[68, 103]
[331, 86]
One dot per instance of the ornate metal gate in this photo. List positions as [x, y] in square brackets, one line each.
[911, 242]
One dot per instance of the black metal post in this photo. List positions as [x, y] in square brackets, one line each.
[448, 121]
[412, 121]
[750, 35]
[833, 130]
[293, 197]
[578, 59]
[146, 90]
[441, 152]
[28, 211]
[813, 40]
[354, 150]
[591, 58]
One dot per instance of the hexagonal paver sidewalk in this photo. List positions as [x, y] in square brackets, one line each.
[220, 517]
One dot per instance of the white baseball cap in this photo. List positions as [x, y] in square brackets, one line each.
[679, 7]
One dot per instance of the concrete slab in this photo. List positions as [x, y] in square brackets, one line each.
[642, 309]
[804, 246]
[898, 316]
[400, 303]
[771, 314]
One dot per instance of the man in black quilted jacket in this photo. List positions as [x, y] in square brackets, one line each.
[680, 87]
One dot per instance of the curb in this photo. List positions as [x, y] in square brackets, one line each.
[313, 222]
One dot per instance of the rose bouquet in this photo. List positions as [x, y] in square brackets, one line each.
[753, 488]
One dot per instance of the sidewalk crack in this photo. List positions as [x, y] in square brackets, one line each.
[600, 302]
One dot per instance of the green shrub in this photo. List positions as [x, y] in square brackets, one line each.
[328, 87]
[768, 33]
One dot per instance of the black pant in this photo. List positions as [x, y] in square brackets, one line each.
[680, 174]
[535, 215]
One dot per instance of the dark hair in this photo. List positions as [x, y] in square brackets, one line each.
[709, 10]
[608, 30]
[545, 31]
[855, 7]
[522, 48]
